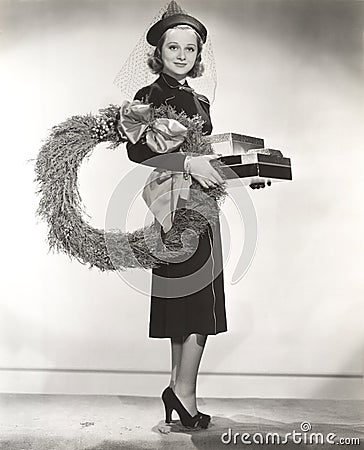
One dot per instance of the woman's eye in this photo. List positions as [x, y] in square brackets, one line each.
[191, 49]
[172, 47]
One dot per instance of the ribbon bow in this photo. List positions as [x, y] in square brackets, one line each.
[163, 187]
[162, 135]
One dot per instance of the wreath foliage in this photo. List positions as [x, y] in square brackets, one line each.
[60, 205]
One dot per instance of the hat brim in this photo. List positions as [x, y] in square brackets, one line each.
[157, 30]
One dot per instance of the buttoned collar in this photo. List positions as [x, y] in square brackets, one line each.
[172, 82]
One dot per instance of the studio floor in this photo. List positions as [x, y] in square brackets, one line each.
[70, 422]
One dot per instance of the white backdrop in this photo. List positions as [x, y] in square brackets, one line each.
[290, 72]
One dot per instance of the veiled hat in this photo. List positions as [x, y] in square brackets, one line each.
[135, 73]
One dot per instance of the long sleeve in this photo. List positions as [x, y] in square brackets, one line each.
[142, 154]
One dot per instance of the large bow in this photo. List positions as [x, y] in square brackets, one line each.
[162, 135]
[163, 187]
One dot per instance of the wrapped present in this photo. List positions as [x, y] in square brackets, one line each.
[229, 143]
[247, 158]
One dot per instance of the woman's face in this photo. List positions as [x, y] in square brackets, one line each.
[179, 52]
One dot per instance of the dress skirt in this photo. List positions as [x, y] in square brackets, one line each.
[188, 297]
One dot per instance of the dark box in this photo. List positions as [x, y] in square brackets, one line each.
[246, 158]
[258, 166]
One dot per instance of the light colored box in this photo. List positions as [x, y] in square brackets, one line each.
[233, 143]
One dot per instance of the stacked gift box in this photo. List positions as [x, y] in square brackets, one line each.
[245, 157]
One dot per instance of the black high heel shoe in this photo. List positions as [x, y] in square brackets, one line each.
[199, 412]
[172, 402]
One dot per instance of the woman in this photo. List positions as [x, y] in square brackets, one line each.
[186, 319]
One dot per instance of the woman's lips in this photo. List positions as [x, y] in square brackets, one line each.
[180, 64]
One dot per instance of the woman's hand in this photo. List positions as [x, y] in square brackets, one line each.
[203, 172]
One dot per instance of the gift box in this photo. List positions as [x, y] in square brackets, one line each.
[230, 143]
[246, 158]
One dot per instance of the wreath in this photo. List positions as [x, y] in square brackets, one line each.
[60, 205]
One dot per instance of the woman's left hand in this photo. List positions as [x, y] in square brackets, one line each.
[203, 172]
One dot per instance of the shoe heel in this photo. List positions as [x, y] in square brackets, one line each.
[168, 410]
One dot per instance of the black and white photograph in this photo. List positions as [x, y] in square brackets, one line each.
[182, 248]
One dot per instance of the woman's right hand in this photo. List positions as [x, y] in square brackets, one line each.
[203, 172]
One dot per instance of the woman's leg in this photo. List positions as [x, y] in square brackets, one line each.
[185, 386]
[176, 356]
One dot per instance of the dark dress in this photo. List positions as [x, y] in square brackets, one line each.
[187, 297]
